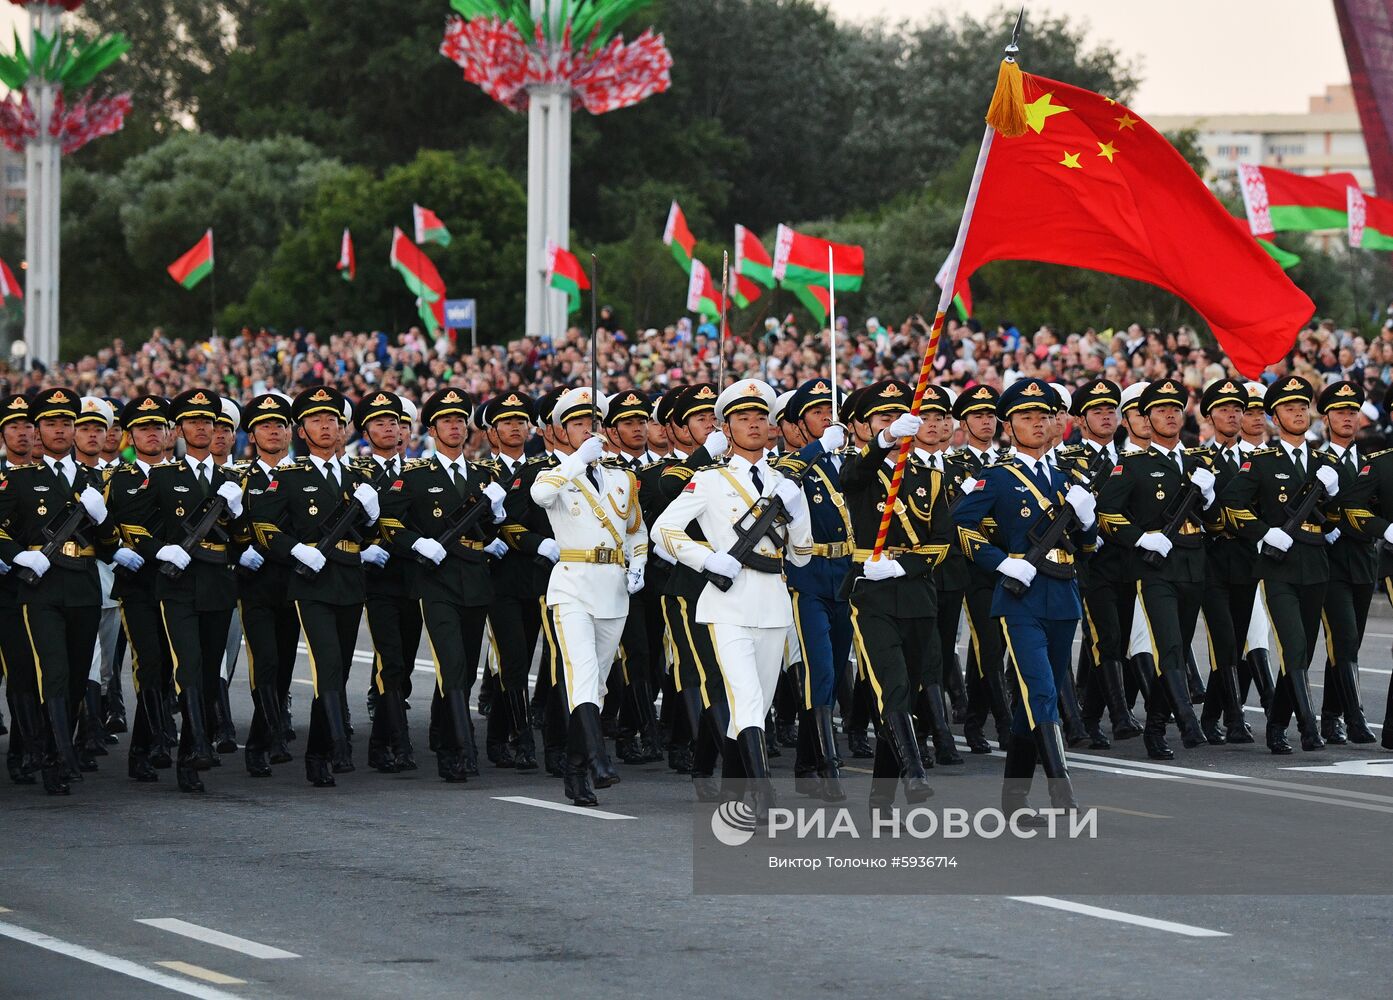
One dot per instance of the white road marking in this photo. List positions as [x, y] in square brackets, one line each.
[111, 963]
[1121, 916]
[1369, 768]
[199, 972]
[592, 812]
[209, 936]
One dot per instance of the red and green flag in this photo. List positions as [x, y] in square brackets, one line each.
[677, 236]
[1074, 178]
[1279, 201]
[1284, 258]
[196, 264]
[1370, 221]
[815, 298]
[9, 286]
[422, 280]
[429, 228]
[751, 259]
[962, 301]
[803, 260]
[744, 292]
[702, 295]
[565, 274]
[348, 261]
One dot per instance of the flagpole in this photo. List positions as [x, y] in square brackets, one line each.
[945, 297]
[721, 342]
[832, 329]
[213, 295]
[594, 347]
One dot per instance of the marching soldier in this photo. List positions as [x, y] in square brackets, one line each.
[893, 604]
[595, 517]
[748, 620]
[822, 619]
[1353, 571]
[270, 625]
[449, 571]
[25, 753]
[857, 698]
[224, 731]
[1136, 510]
[1270, 487]
[61, 605]
[90, 432]
[1228, 575]
[1039, 612]
[303, 507]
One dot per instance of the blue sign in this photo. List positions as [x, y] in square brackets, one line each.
[459, 314]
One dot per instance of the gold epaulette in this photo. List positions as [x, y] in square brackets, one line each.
[539, 459]
[26, 465]
[1378, 454]
[1269, 450]
[414, 463]
[660, 462]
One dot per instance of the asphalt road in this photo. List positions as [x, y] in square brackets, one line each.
[404, 886]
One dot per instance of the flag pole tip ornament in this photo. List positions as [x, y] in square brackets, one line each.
[1006, 113]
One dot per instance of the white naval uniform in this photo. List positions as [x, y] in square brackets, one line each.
[589, 601]
[749, 622]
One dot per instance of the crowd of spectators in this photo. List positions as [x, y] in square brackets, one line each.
[784, 353]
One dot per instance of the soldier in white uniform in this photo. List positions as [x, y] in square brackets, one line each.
[749, 621]
[598, 526]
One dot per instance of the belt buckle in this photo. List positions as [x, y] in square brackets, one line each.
[70, 549]
[604, 556]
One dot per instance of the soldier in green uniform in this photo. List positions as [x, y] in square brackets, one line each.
[194, 583]
[1353, 571]
[146, 419]
[1258, 504]
[61, 606]
[290, 519]
[270, 627]
[449, 573]
[1135, 507]
[25, 753]
[892, 597]
[859, 700]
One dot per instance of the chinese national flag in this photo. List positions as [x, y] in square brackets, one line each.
[1089, 184]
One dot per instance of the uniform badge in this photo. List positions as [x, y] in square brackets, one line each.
[314, 509]
[436, 489]
[1282, 496]
[1025, 509]
[42, 509]
[921, 492]
[437, 512]
[396, 486]
[817, 498]
[1160, 493]
[181, 489]
[178, 511]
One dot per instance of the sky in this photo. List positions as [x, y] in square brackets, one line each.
[1196, 56]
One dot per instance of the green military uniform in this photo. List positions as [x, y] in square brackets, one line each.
[24, 756]
[60, 609]
[289, 521]
[1269, 487]
[1135, 505]
[455, 592]
[893, 620]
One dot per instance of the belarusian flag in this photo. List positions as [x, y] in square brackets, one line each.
[1370, 221]
[429, 228]
[751, 259]
[1284, 258]
[348, 263]
[744, 292]
[677, 236]
[1079, 180]
[1279, 201]
[702, 296]
[422, 280]
[9, 287]
[195, 265]
[803, 261]
[565, 274]
[816, 299]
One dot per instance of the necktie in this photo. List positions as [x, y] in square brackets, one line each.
[203, 478]
[1040, 471]
[1347, 460]
[756, 479]
[1298, 456]
[457, 475]
[396, 466]
[592, 474]
[331, 473]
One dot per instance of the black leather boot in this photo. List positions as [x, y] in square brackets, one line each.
[754, 756]
[227, 730]
[1260, 669]
[956, 690]
[1124, 724]
[995, 680]
[151, 704]
[276, 750]
[598, 758]
[1016, 781]
[1071, 713]
[94, 729]
[61, 733]
[640, 692]
[199, 756]
[456, 733]
[1277, 740]
[1235, 726]
[945, 746]
[28, 718]
[1178, 691]
[498, 730]
[340, 751]
[1153, 736]
[1193, 678]
[806, 780]
[1347, 673]
[580, 788]
[393, 706]
[1049, 748]
[523, 743]
[317, 770]
[463, 722]
[1141, 670]
[1305, 714]
[825, 742]
[1213, 711]
[899, 727]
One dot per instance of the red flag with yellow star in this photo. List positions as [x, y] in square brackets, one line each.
[1089, 184]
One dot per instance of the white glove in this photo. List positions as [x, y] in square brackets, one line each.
[590, 450]
[1332, 536]
[969, 484]
[1388, 534]
[35, 561]
[716, 444]
[375, 555]
[1083, 503]
[1330, 479]
[1016, 569]
[1277, 538]
[429, 548]
[792, 495]
[367, 496]
[497, 548]
[251, 559]
[634, 579]
[1155, 541]
[722, 564]
[232, 494]
[832, 438]
[548, 549]
[495, 493]
[906, 425]
[93, 503]
[128, 559]
[883, 568]
[308, 555]
[175, 556]
[1370, 412]
[1204, 479]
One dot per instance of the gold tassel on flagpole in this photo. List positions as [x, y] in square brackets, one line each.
[1006, 113]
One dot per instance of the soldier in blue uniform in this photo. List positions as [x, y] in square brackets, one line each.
[1022, 494]
[820, 617]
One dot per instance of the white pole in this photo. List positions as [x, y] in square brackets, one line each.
[536, 224]
[832, 329]
[42, 159]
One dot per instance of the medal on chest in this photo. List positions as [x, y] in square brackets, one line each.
[314, 508]
[817, 498]
[42, 509]
[1160, 493]
[899, 506]
[1282, 495]
[437, 512]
